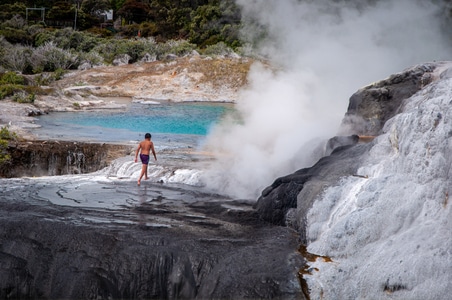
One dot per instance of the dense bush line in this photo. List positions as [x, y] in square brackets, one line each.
[32, 42]
[201, 22]
[147, 31]
[69, 49]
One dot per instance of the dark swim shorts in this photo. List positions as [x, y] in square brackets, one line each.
[144, 159]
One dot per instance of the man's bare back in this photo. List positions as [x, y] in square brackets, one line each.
[146, 146]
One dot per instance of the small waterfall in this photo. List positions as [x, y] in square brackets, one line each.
[49, 158]
[53, 164]
[75, 162]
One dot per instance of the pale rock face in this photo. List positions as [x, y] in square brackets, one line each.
[376, 213]
[389, 235]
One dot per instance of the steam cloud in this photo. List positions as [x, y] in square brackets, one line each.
[322, 51]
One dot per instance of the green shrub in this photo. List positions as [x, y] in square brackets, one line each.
[88, 43]
[5, 157]
[102, 32]
[44, 79]
[16, 22]
[35, 29]
[131, 30]
[111, 49]
[11, 78]
[7, 90]
[37, 90]
[181, 48]
[108, 50]
[17, 58]
[9, 11]
[58, 74]
[49, 57]
[43, 37]
[16, 36]
[23, 97]
[148, 29]
[92, 57]
[177, 47]
[6, 134]
[218, 49]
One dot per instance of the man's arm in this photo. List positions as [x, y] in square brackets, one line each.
[153, 151]
[136, 152]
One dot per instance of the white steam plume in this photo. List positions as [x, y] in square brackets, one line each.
[324, 52]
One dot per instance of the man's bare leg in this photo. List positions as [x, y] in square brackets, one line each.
[144, 169]
[146, 173]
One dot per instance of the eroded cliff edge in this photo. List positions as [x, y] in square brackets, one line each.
[48, 158]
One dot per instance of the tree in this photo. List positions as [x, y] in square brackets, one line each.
[134, 11]
[211, 24]
[61, 14]
[95, 8]
[8, 11]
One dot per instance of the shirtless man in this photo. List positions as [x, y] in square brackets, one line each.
[146, 146]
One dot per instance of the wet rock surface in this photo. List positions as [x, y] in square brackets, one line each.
[112, 239]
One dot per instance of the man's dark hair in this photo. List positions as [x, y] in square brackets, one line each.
[147, 136]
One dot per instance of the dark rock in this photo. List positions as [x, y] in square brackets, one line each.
[34, 112]
[372, 106]
[205, 250]
[122, 59]
[299, 190]
[171, 56]
[340, 141]
[278, 198]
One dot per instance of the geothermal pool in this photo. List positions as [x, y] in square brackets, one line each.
[185, 123]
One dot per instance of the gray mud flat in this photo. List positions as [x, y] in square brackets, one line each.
[77, 238]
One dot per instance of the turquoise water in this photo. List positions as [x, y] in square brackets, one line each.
[167, 121]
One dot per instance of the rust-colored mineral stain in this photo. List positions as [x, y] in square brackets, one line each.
[366, 138]
[305, 270]
[312, 257]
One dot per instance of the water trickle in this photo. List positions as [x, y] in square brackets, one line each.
[75, 161]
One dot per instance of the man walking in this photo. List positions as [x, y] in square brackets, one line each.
[145, 148]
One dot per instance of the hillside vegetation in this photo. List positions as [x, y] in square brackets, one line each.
[41, 40]
[201, 22]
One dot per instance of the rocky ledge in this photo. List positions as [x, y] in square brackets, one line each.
[44, 158]
[83, 239]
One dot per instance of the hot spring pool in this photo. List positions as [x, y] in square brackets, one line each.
[173, 122]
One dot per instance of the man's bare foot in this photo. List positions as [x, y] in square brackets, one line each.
[138, 182]
[146, 178]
